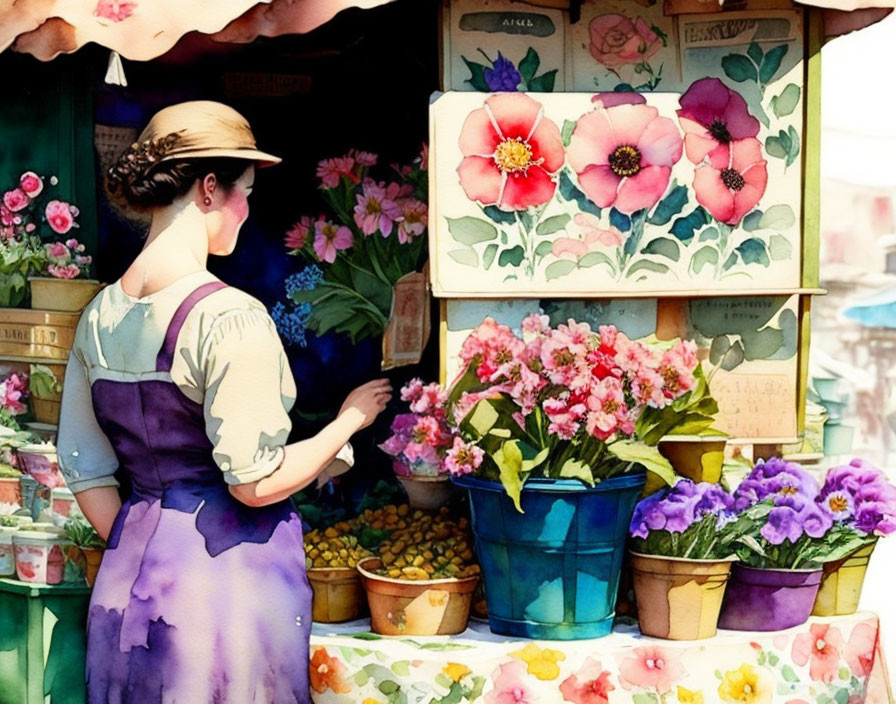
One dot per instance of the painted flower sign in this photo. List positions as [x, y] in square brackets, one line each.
[570, 194]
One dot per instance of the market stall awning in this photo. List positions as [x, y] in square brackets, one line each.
[875, 311]
[144, 29]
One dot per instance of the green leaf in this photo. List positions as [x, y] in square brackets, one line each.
[544, 248]
[593, 259]
[703, 256]
[553, 224]
[483, 418]
[730, 261]
[753, 251]
[510, 465]
[477, 75]
[488, 256]
[793, 150]
[569, 192]
[843, 674]
[500, 216]
[444, 680]
[684, 228]
[566, 135]
[664, 247]
[775, 148]
[785, 104]
[779, 217]
[771, 62]
[761, 659]
[734, 356]
[400, 668]
[841, 696]
[467, 257]
[512, 257]
[739, 68]
[669, 206]
[754, 51]
[388, 687]
[787, 671]
[779, 248]
[455, 695]
[646, 264]
[620, 221]
[470, 231]
[529, 65]
[367, 636]
[752, 221]
[543, 83]
[710, 233]
[643, 699]
[574, 469]
[645, 455]
[559, 268]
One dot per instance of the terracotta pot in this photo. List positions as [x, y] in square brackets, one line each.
[69, 295]
[679, 599]
[10, 493]
[338, 594]
[427, 492]
[425, 607]
[94, 557]
[768, 599]
[841, 584]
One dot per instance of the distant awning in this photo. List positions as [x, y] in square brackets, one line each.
[875, 311]
[144, 29]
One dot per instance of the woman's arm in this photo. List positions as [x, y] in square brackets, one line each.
[305, 459]
[100, 506]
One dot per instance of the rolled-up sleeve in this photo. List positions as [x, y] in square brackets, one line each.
[86, 457]
[249, 390]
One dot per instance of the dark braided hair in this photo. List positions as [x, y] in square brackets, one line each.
[142, 180]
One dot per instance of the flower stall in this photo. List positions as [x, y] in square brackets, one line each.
[586, 490]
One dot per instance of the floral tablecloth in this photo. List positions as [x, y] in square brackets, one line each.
[826, 661]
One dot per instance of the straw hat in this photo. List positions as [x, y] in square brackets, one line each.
[203, 128]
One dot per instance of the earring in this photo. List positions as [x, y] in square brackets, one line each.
[207, 200]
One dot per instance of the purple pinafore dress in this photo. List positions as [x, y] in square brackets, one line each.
[200, 598]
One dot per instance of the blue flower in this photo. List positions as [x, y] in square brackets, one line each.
[292, 322]
[503, 75]
[305, 280]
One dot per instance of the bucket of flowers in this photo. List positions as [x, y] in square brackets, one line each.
[63, 280]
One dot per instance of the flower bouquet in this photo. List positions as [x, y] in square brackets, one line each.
[371, 238]
[862, 504]
[13, 399]
[680, 563]
[29, 218]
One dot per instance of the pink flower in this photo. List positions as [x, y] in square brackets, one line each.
[731, 192]
[564, 418]
[64, 272]
[363, 158]
[617, 41]
[511, 153]
[57, 250]
[821, 648]
[31, 184]
[331, 171]
[412, 391]
[375, 211]
[591, 235]
[712, 116]
[590, 685]
[15, 200]
[330, 238]
[463, 458]
[608, 411]
[677, 368]
[651, 667]
[297, 235]
[59, 216]
[432, 399]
[511, 686]
[536, 324]
[623, 155]
[861, 649]
[12, 394]
[115, 10]
[413, 220]
[7, 219]
[494, 345]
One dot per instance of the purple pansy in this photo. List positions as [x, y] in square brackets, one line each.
[774, 477]
[503, 76]
[858, 494]
[677, 508]
[782, 524]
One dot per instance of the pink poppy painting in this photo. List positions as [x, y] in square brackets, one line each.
[730, 192]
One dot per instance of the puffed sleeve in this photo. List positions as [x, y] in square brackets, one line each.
[249, 390]
[86, 457]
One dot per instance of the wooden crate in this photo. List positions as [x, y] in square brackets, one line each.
[36, 335]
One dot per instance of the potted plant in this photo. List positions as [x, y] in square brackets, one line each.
[782, 536]
[39, 553]
[63, 281]
[550, 453]
[862, 504]
[679, 560]
[420, 444]
[373, 235]
[86, 548]
[45, 392]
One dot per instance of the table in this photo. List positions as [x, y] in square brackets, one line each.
[825, 661]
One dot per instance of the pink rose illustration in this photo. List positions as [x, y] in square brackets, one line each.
[57, 250]
[617, 41]
[31, 183]
[7, 219]
[590, 685]
[59, 216]
[731, 192]
[860, 650]
[623, 155]
[115, 10]
[712, 116]
[651, 667]
[15, 200]
[511, 153]
[511, 686]
[821, 648]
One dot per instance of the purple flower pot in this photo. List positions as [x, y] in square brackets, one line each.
[768, 599]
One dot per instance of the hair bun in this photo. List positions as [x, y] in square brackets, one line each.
[132, 177]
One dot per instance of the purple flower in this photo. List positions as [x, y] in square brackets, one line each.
[774, 477]
[839, 505]
[875, 517]
[816, 523]
[647, 516]
[782, 524]
[677, 508]
[859, 494]
[714, 500]
[503, 76]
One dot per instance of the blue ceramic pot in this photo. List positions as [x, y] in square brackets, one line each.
[552, 572]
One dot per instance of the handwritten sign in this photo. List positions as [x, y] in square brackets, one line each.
[408, 329]
[756, 405]
[528, 23]
[735, 29]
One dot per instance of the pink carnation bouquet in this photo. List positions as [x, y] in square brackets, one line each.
[13, 399]
[373, 234]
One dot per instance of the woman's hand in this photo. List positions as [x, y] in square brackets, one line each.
[366, 402]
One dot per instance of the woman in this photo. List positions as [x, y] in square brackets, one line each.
[178, 385]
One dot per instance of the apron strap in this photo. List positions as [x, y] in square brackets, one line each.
[166, 353]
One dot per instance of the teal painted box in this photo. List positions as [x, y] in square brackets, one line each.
[42, 643]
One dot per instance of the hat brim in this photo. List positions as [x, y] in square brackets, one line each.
[261, 159]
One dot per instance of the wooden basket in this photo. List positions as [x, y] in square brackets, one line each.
[40, 335]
